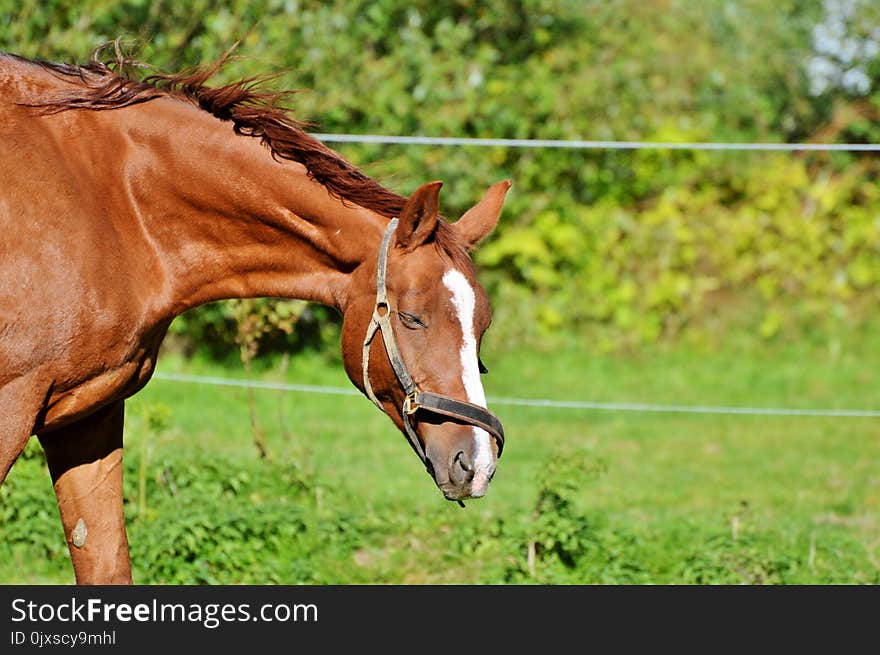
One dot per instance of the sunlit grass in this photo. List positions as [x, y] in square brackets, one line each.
[668, 497]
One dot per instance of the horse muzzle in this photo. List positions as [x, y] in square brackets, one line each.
[461, 459]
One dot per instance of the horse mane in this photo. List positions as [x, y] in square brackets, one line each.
[254, 110]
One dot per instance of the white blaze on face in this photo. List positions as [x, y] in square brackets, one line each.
[464, 300]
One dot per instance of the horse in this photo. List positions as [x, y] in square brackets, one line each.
[129, 199]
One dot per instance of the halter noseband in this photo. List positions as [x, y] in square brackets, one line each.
[416, 399]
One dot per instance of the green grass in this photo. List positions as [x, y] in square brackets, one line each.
[579, 497]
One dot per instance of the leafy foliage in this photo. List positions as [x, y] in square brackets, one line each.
[633, 247]
[225, 521]
[806, 250]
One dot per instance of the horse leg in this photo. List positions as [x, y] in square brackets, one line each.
[85, 460]
[19, 405]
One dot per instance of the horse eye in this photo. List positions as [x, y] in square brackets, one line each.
[411, 321]
[482, 366]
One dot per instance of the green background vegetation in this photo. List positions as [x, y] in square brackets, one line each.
[580, 497]
[652, 276]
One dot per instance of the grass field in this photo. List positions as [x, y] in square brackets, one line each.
[579, 497]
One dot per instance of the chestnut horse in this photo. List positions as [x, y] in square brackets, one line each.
[127, 201]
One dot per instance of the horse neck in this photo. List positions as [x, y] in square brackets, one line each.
[229, 221]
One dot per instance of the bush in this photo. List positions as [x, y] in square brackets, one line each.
[803, 247]
[628, 247]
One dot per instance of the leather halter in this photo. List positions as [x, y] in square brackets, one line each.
[416, 399]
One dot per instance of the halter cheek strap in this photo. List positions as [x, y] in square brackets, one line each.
[415, 399]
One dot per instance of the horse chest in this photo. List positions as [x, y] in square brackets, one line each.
[119, 378]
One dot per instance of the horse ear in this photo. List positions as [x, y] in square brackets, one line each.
[419, 217]
[481, 219]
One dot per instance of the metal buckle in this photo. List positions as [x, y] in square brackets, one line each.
[410, 404]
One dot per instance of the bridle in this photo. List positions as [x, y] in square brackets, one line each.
[416, 399]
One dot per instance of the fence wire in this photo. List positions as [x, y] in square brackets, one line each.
[538, 402]
[592, 145]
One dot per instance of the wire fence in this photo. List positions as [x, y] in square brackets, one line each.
[592, 145]
[538, 402]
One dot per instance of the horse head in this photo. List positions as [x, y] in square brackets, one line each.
[421, 295]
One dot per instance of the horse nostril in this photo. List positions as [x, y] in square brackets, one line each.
[462, 460]
[462, 469]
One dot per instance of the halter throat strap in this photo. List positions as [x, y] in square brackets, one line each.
[415, 399]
